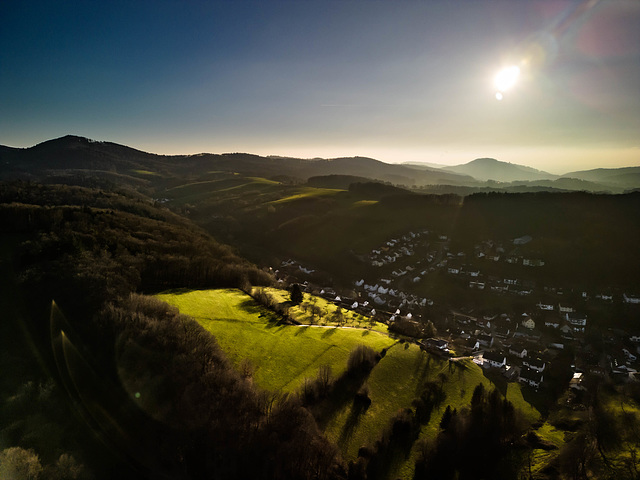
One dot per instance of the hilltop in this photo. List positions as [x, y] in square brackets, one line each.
[492, 169]
[79, 160]
[628, 177]
[81, 156]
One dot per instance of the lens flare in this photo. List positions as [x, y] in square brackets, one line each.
[506, 78]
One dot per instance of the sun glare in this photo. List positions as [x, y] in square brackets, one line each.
[506, 78]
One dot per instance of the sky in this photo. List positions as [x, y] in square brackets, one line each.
[396, 80]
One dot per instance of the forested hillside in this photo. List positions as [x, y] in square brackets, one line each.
[65, 407]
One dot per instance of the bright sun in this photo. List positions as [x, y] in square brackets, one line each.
[505, 79]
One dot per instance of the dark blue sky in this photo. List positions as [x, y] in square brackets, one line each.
[395, 80]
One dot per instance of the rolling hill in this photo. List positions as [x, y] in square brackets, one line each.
[82, 156]
[628, 177]
[491, 169]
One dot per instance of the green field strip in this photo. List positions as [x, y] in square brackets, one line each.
[307, 193]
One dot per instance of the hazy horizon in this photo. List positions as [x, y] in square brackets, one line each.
[394, 81]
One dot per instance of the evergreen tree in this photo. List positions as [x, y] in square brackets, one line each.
[446, 418]
[296, 294]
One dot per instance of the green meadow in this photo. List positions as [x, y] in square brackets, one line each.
[307, 193]
[282, 356]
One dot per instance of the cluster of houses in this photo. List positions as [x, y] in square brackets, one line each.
[396, 248]
[522, 346]
[417, 254]
[383, 295]
[513, 346]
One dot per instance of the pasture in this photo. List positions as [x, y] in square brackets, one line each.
[283, 356]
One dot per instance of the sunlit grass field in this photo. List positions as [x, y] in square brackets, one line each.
[284, 355]
[306, 193]
[302, 313]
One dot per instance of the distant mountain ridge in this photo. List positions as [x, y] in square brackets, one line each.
[76, 157]
[626, 177]
[79, 153]
[491, 169]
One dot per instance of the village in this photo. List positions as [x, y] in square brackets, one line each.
[520, 343]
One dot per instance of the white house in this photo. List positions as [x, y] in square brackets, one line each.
[576, 381]
[552, 323]
[527, 322]
[437, 343]
[536, 364]
[518, 350]
[494, 360]
[630, 299]
[577, 321]
[522, 240]
[530, 377]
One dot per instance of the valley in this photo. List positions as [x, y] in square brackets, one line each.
[416, 310]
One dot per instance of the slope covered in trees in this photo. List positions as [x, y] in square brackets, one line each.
[126, 372]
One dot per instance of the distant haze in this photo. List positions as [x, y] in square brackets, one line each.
[396, 81]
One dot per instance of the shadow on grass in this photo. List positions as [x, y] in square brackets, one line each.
[342, 393]
[540, 400]
[177, 291]
[391, 460]
[358, 408]
[249, 305]
[498, 380]
[300, 330]
[395, 446]
[422, 371]
[277, 326]
[329, 332]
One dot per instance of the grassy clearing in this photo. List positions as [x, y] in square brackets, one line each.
[364, 203]
[146, 172]
[207, 186]
[307, 193]
[514, 395]
[541, 458]
[227, 186]
[283, 356]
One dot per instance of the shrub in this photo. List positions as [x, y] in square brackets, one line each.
[362, 397]
[18, 463]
